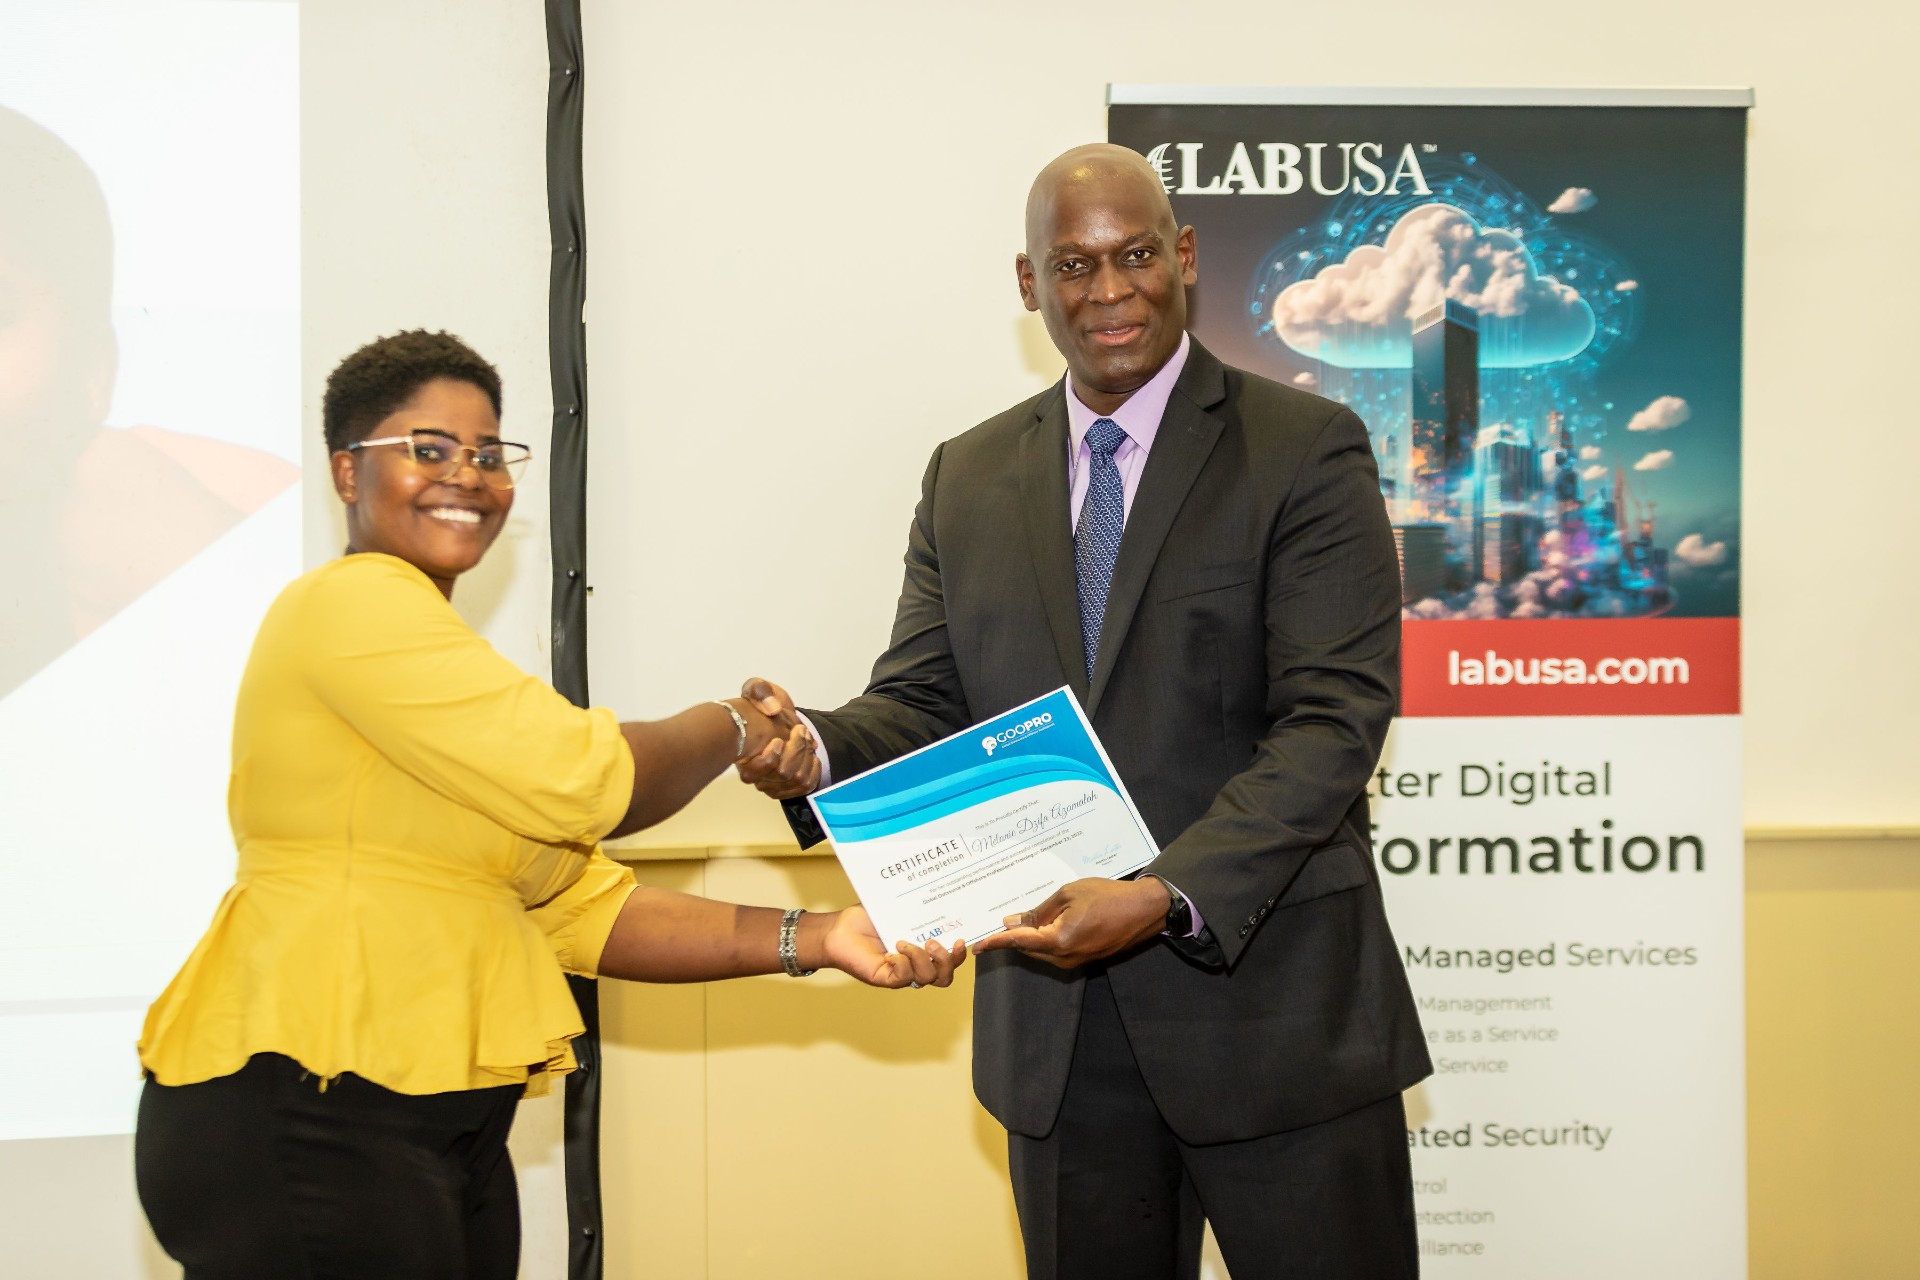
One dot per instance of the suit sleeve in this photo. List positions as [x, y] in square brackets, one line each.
[914, 696]
[1332, 658]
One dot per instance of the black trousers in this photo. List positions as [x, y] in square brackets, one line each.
[262, 1174]
[1113, 1194]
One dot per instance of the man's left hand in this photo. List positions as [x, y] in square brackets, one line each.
[1086, 920]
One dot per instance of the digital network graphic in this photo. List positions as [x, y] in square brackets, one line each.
[1473, 328]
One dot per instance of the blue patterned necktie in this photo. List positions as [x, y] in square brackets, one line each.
[1096, 541]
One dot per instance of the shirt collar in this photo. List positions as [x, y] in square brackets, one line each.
[1140, 416]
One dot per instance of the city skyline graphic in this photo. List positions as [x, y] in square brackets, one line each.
[1540, 342]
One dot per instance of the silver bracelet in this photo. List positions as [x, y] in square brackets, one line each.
[739, 725]
[790, 944]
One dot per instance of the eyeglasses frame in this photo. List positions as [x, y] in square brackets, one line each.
[467, 452]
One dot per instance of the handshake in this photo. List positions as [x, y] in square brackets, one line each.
[781, 757]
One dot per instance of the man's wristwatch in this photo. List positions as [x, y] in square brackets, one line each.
[1179, 912]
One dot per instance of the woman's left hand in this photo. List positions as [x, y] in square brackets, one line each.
[852, 946]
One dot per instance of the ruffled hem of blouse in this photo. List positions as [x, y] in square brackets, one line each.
[495, 1009]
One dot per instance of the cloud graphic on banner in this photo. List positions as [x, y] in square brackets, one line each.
[1590, 453]
[1573, 200]
[1658, 460]
[1358, 314]
[1698, 552]
[1663, 414]
[1593, 473]
[1626, 286]
[1307, 379]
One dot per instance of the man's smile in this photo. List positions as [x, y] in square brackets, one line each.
[1117, 335]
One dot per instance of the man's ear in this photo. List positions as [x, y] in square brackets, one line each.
[346, 475]
[1023, 272]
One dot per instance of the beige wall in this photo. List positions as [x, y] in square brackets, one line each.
[801, 226]
[1833, 1035]
[833, 1129]
[797, 1128]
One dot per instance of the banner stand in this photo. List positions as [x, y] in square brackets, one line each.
[1533, 299]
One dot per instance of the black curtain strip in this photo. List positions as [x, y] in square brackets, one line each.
[567, 499]
[586, 1251]
[567, 348]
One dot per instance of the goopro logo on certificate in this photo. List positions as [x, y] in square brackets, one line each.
[946, 842]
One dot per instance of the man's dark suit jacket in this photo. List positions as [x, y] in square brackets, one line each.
[1247, 671]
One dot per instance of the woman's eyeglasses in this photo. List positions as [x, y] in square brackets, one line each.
[440, 458]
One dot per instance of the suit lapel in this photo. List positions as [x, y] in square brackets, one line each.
[1185, 440]
[1043, 484]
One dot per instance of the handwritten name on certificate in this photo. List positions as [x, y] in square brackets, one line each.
[948, 841]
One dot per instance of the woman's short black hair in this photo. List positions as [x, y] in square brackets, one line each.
[373, 382]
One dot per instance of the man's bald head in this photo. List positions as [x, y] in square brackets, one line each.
[1108, 269]
[1096, 170]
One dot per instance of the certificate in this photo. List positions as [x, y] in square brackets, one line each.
[948, 841]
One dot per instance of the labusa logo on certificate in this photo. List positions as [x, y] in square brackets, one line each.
[942, 844]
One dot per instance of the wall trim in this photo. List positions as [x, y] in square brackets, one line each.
[716, 852]
[1772, 834]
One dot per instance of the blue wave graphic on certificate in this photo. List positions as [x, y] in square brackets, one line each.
[950, 793]
[944, 841]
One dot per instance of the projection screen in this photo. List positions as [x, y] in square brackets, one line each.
[149, 502]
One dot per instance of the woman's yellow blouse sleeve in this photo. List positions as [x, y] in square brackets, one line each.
[579, 919]
[387, 653]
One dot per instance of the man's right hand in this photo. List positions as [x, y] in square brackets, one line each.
[785, 768]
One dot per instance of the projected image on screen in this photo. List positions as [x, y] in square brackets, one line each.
[149, 502]
[111, 510]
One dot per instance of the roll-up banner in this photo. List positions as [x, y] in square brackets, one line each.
[1533, 301]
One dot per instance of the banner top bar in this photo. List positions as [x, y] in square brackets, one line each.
[1208, 95]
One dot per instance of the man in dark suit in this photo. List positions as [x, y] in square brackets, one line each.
[1203, 556]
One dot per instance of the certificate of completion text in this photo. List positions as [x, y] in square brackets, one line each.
[947, 841]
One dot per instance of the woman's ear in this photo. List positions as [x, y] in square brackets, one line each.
[346, 475]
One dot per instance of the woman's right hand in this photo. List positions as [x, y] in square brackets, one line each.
[768, 727]
[786, 768]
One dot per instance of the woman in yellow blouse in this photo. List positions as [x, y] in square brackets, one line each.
[332, 1074]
